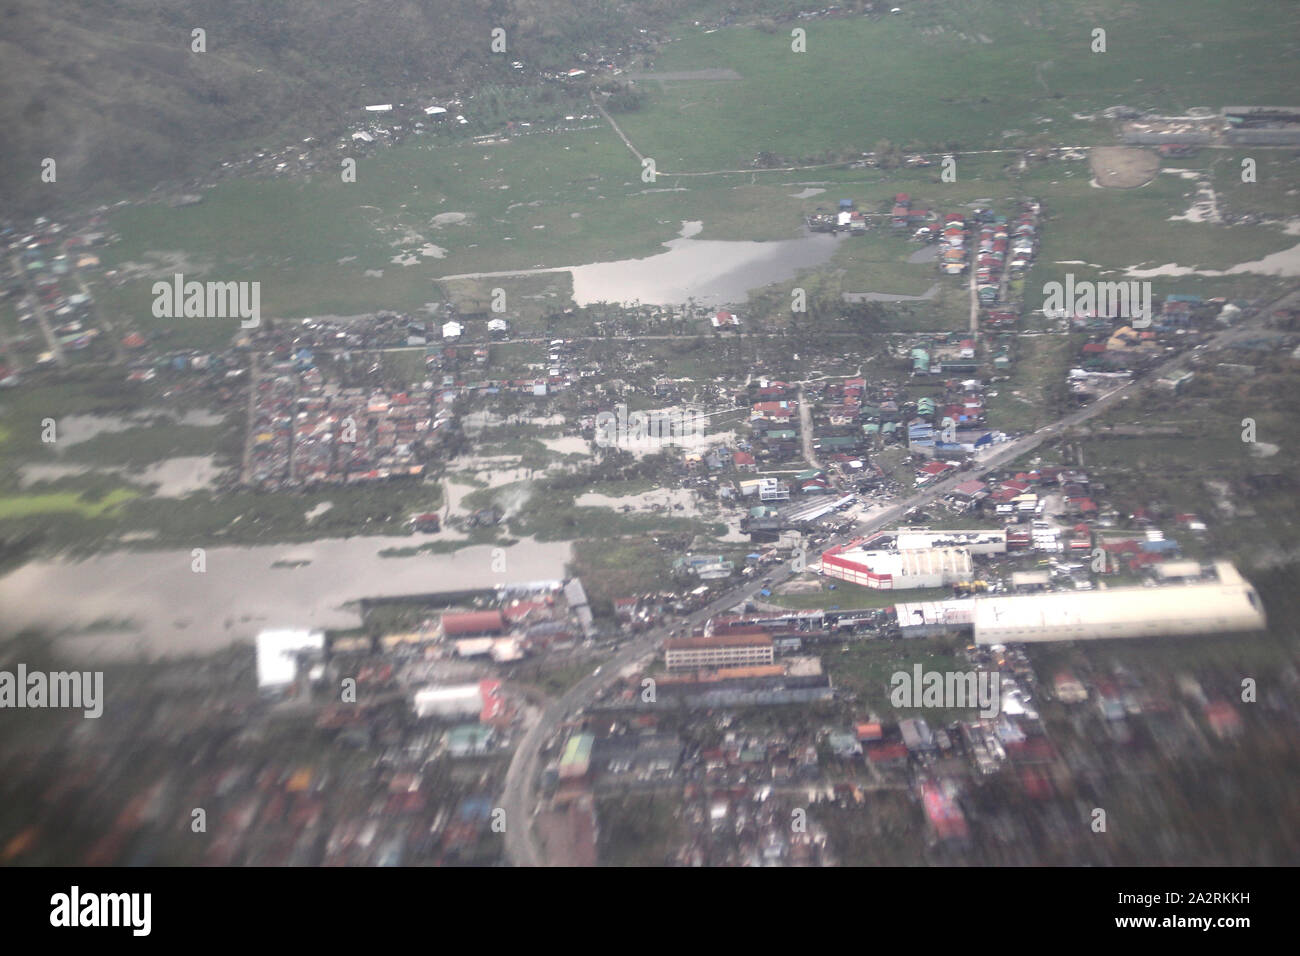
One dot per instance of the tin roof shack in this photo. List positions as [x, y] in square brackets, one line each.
[645, 756]
[916, 735]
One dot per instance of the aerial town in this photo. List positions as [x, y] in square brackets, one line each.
[572, 464]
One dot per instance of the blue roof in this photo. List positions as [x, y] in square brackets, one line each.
[473, 809]
[1157, 547]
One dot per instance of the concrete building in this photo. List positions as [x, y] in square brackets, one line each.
[992, 541]
[576, 759]
[888, 570]
[917, 736]
[1031, 580]
[925, 618]
[481, 699]
[1226, 605]
[726, 650]
[279, 653]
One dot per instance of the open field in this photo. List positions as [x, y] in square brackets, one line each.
[1030, 69]
[1036, 393]
[430, 209]
[1256, 526]
[23, 506]
[865, 668]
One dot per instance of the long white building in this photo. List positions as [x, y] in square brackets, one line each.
[990, 541]
[1226, 605]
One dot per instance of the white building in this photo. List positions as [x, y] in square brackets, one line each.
[886, 570]
[278, 653]
[727, 650]
[922, 618]
[458, 700]
[1227, 605]
[992, 541]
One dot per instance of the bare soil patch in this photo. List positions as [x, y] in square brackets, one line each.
[1123, 167]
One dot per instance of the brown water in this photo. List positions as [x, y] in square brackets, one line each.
[173, 610]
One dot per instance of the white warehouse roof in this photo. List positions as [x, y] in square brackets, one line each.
[277, 650]
[906, 564]
[448, 700]
[1226, 605]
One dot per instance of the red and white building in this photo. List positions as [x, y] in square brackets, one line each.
[894, 570]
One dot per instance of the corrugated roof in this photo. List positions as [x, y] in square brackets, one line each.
[1226, 605]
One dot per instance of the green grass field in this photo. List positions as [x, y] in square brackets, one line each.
[572, 198]
[957, 75]
[26, 506]
[1036, 393]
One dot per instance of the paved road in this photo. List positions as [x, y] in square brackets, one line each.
[806, 430]
[519, 797]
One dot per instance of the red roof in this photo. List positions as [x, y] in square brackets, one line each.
[871, 731]
[884, 752]
[472, 622]
[1121, 547]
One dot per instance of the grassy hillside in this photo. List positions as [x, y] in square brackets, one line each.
[113, 92]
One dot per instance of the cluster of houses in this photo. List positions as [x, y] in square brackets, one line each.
[306, 431]
[1116, 345]
[952, 260]
[55, 316]
[847, 218]
[1082, 523]
[380, 119]
[773, 422]
[902, 214]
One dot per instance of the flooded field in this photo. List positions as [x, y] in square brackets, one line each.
[711, 271]
[75, 429]
[152, 602]
[1283, 264]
